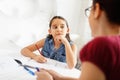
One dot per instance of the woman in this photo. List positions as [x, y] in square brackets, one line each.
[100, 57]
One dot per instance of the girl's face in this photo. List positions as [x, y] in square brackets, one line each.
[58, 28]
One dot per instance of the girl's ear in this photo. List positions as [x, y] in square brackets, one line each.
[49, 31]
[97, 10]
[68, 30]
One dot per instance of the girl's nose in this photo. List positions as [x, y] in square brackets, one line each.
[59, 28]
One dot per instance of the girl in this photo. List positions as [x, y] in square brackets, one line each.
[57, 45]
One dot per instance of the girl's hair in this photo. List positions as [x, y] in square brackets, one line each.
[59, 17]
[111, 8]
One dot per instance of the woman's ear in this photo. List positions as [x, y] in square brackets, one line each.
[97, 10]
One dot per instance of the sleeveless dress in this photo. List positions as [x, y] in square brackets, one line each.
[49, 51]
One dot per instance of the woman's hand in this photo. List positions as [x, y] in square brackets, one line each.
[55, 75]
[43, 75]
[40, 58]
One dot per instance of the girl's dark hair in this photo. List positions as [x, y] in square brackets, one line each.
[111, 8]
[59, 17]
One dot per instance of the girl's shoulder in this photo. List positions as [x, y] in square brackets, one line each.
[71, 42]
[48, 38]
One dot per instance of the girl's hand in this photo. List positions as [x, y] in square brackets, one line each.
[40, 58]
[60, 38]
[43, 75]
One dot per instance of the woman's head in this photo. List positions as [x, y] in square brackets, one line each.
[58, 25]
[104, 17]
[111, 8]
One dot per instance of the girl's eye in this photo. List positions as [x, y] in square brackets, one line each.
[54, 27]
[62, 27]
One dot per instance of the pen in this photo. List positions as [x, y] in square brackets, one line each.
[37, 48]
[32, 67]
[26, 67]
[31, 72]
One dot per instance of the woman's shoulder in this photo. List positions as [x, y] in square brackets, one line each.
[101, 46]
[106, 40]
[102, 50]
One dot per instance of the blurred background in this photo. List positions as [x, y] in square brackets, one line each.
[23, 22]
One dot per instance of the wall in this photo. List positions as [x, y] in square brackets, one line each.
[25, 21]
[71, 11]
[74, 12]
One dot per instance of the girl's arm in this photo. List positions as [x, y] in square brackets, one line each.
[71, 51]
[28, 51]
[71, 54]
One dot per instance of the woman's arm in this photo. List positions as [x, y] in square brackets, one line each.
[89, 71]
